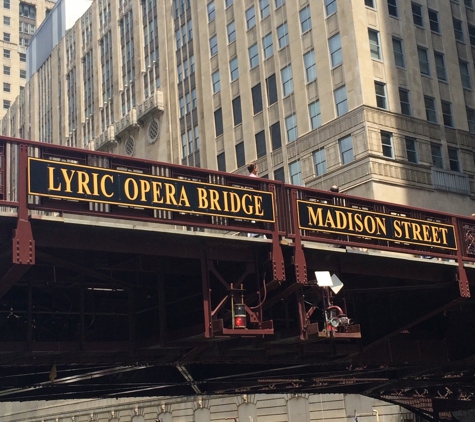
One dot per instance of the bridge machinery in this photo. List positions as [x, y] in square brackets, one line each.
[125, 277]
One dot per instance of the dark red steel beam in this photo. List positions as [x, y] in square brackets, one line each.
[14, 273]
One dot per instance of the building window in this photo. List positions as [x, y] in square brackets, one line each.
[417, 14]
[341, 101]
[469, 3]
[265, 8]
[261, 144]
[6, 70]
[404, 101]
[256, 98]
[374, 44]
[436, 152]
[291, 127]
[392, 8]
[471, 33]
[22, 73]
[240, 155]
[458, 30]
[275, 136]
[295, 173]
[320, 160]
[346, 150]
[380, 89]
[271, 86]
[7, 87]
[310, 66]
[213, 45]
[279, 3]
[216, 82]
[440, 66]
[237, 115]
[283, 34]
[471, 120]
[465, 75]
[411, 150]
[251, 17]
[6, 53]
[234, 69]
[335, 50]
[431, 113]
[315, 114]
[423, 61]
[6, 4]
[434, 21]
[6, 104]
[221, 162]
[211, 11]
[218, 122]
[305, 19]
[447, 113]
[268, 45]
[369, 3]
[279, 174]
[181, 102]
[387, 144]
[287, 81]
[398, 53]
[6, 20]
[228, 3]
[253, 56]
[330, 7]
[231, 32]
[454, 159]
[6, 37]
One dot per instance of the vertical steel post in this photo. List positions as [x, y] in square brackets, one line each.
[23, 245]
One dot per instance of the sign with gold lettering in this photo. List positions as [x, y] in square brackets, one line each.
[356, 222]
[62, 180]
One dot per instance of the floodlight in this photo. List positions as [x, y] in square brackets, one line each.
[337, 284]
[323, 278]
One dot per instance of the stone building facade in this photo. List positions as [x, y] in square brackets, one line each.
[373, 95]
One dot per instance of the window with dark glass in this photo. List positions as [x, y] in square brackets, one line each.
[411, 150]
[434, 21]
[431, 112]
[261, 144]
[218, 121]
[275, 136]
[237, 116]
[404, 101]
[387, 144]
[392, 8]
[436, 152]
[417, 14]
[271, 86]
[257, 98]
[454, 159]
[240, 156]
[458, 30]
[279, 174]
[447, 113]
[221, 162]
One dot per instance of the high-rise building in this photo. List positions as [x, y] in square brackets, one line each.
[20, 20]
[373, 95]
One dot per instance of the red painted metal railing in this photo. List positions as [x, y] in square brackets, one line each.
[13, 168]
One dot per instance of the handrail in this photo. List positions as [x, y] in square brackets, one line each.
[391, 227]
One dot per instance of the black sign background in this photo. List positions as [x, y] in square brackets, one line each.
[113, 192]
[405, 225]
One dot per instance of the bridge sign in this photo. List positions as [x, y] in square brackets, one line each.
[56, 179]
[329, 218]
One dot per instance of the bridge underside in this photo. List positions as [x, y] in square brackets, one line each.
[107, 311]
